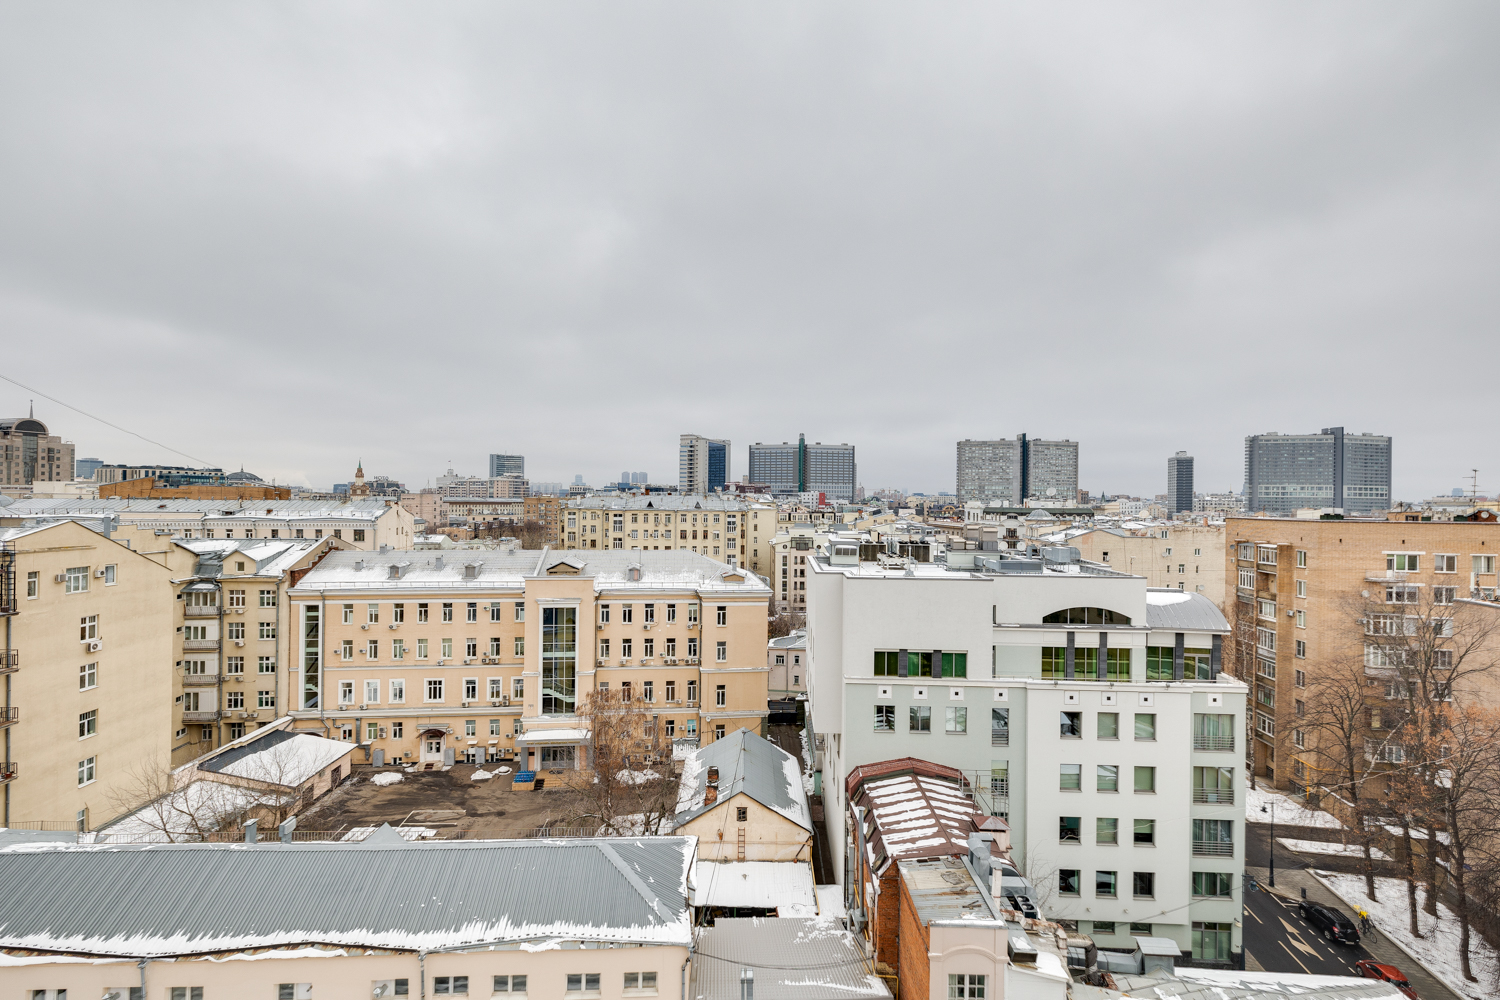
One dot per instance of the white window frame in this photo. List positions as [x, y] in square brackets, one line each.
[88, 771]
[1445, 562]
[372, 692]
[397, 687]
[427, 689]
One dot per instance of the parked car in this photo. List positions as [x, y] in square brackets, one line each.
[1371, 969]
[1334, 925]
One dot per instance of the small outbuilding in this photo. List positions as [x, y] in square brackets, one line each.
[742, 797]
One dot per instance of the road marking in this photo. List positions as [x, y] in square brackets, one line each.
[1255, 915]
[1294, 958]
[1302, 945]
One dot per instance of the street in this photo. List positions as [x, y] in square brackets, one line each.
[1281, 941]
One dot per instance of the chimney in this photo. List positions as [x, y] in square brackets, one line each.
[713, 775]
[710, 795]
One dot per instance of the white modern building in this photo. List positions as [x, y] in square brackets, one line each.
[1101, 727]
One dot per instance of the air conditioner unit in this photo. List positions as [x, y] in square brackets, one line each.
[252, 715]
[692, 661]
[599, 625]
[59, 578]
[239, 642]
[647, 626]
[239, 611]
[361, 708]
[99, 574]
[467, 661]
[394, 625]
[505, 701]
[671, 660]
[465, 704]
[382, 732]
[494, 703]
[95, 645]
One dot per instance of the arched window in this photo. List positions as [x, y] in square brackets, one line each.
[1086, 616]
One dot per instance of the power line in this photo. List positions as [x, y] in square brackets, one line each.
[103, 421]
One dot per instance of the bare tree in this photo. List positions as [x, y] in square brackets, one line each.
[784, 624]
[1467, 783]
[631, 790]
[185, 805]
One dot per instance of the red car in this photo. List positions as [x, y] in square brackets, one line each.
[1371, 969]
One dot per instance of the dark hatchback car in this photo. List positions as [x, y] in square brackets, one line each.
[1371, 969]
[1334, 925]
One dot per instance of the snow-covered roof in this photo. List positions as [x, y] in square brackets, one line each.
[663, 502]
[913, 814]
[1228, 984]
[280, 757]
[796, 640]
[1169, 608]
[748, 765]
[272, 556]
[791, 959]
[553, 736]
[762, 884]
[62, 506]
[146, 901]
[511, 568]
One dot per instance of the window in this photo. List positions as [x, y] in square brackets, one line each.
[1106, 830]
[1212, 884]
[1210, 941]
[88, 724]
[510, 984]
[1247, 578]
[1069, 777]
[1266, 609]
[966, 987]
[1300, 650]
[450, 985]
[722, 616]
[235, 630]
[76, 580]
[1145, 725]
[434, 689]
[955, 664]
[88, 676]
[87, 771]
[1301, 588]
[447, 611]
[1265, 639]
[1145, 779]
[1484, 564]
[920, 719]
[471, 647]
[186, 993]
[1401, 562]
[1070, 725]
[268, 630]
[33, 585]
[957, 720]
[1143, 885]
[109, 575]
[645, 980]
[398, 649]
[1301, 619]
[1000, 727]
[885, 718]
[518, 646]
[268, 598]
[721, 653]
[1068, 828]
[88, 628]
[720, 696]
[346, 692]
[1107, 777]
[1401, 594]
[1145, 832]
[1106, 883]
[471, 689]
[1067, 881]
[583, 982]
[1445, 563]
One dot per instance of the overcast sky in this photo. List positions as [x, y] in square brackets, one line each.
[286, 236]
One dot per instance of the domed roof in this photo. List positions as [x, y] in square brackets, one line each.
[242, 477]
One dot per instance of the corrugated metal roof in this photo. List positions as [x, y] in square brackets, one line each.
[945, 889]
[170, 899]
[914, 812]
[750, 765]
[792, 959]
[1226, 984]
[1196, 614]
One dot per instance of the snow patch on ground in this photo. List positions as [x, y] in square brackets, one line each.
[1437, 949]
[387, 778]
[406, 832]
[1287, 810]
[636, 777]
[501, 770]
[481, 775]
[1324, 847]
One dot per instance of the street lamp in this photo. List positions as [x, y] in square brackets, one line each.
[1271, 810]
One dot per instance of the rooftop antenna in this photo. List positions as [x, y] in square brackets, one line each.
[1473, 483]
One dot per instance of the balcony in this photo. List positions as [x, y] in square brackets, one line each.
[1212, 849]
[201, 611]
[208, 716]
[9, 717]
[199, 680]
[1214, 744]
[204, 645]
[7, 771]
[999, 737]
[1214, 796]
[10, 661]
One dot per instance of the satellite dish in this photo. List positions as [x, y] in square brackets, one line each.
[1052, 491]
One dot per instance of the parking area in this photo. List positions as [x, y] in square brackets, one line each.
[450, 802]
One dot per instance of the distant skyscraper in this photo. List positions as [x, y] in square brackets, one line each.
[702, 464]
[800, 468]
[507, 465]
[638, 478]
[1180, 483]
[1284, 472]
[1012, 471]
[83, 468]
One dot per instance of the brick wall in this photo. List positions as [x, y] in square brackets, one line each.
[912, 966]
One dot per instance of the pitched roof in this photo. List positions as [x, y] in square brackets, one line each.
[167, 899]
[749, 765]
[1169, 608]
[913, 809]
[281, 757]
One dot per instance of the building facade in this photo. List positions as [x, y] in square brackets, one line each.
[702, 464]
[487, 655]
[1288, 472]
[1180, 483]
[1112, 740]
[1013, 471]
[1300, 588]
[1186, 555]
[734, 530]
[86, 674]
[507, 465]
[790, 469]
[29, 453]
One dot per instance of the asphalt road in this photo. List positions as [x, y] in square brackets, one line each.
[1282, 941]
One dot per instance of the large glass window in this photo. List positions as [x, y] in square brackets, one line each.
[1054, 662]
[1159, 663]
[311, 656]
[559, 660]
[1086, 616]
[1210, 941]
[955, 664]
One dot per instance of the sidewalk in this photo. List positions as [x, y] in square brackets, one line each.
[1293, 881]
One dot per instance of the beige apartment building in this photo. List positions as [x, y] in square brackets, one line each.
[1296, 584]
[1186, 555]
[85, 670]
[365, 524]
[434, 657]
[734, 531]
[790, 548]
